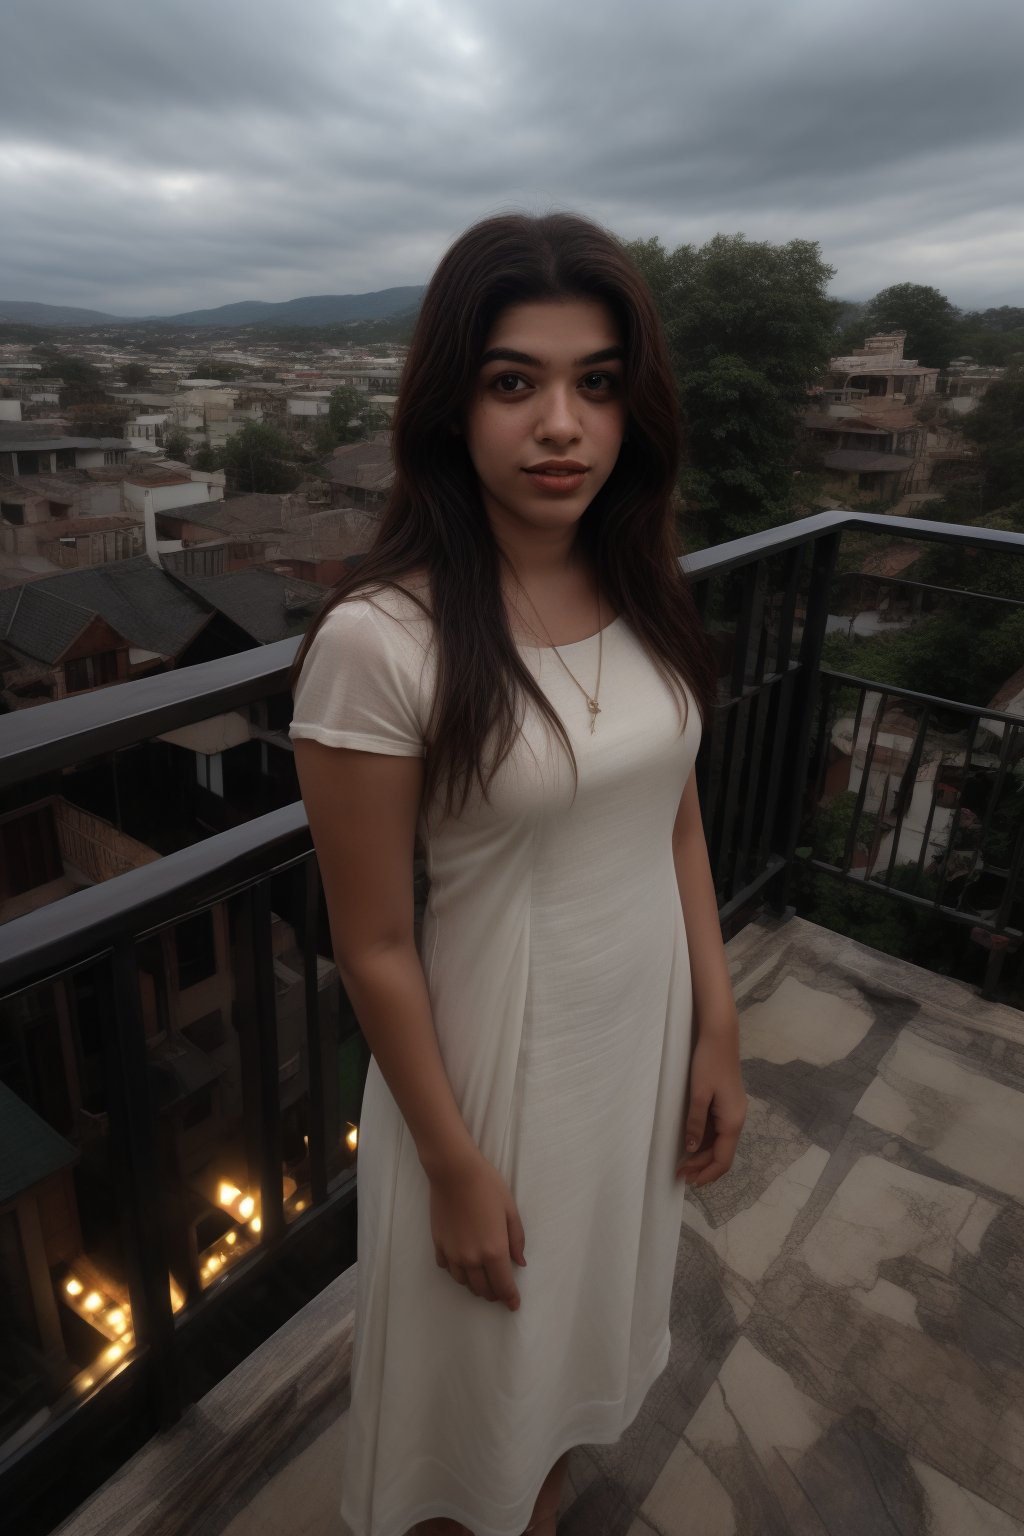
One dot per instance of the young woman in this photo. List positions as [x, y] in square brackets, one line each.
[516, 678]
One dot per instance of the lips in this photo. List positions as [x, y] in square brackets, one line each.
[557, 467]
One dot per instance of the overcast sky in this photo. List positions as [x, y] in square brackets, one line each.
[167, 156]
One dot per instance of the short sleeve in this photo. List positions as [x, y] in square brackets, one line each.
[358, 686]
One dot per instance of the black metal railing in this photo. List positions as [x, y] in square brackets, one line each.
[186, 1155]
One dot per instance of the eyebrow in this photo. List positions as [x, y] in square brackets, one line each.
[508, 355]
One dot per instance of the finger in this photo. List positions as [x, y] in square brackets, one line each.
[697, 1162]
[503, 1283]
[516, 1239]
[709, 1175]
[476, 1276]
[442, 1262]
[457, 1273]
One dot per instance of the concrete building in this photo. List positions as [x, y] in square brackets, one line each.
[965, 382]
[878, 371]
[49, 455]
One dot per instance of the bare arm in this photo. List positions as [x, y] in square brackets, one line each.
[362, 809]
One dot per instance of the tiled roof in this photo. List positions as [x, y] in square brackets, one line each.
[135, 597]
[152, 607]
[265, 605]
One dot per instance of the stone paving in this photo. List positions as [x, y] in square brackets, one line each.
[848, 1312]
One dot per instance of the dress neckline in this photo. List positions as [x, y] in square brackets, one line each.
[571, 644]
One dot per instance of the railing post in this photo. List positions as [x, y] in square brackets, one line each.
[805, 692]
[133, 1122]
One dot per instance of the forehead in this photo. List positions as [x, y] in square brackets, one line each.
[551, 328]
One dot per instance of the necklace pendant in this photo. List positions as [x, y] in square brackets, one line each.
[595, 710]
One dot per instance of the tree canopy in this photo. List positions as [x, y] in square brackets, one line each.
[256, 458]
[926, 315]
[750, 327]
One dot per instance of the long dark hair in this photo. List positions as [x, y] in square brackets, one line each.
[435, 519]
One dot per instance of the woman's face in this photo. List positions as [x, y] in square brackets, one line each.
[550, 387]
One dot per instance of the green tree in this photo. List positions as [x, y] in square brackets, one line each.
[257, 458]
[97, 418]
[135, 375]
[926, 315]
[750, 327]
[996, 427]
[176, 444]
[345, 416]
[206, 459]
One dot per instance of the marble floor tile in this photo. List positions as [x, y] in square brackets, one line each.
[787, 1024]
[963, 1118]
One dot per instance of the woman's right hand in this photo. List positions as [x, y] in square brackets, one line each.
[477, 1233]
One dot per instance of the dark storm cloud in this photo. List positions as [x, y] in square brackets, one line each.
[155, 158]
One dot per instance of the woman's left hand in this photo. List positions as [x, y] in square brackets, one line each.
[718, 1108]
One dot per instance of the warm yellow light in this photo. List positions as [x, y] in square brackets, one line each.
[87, 1381]
[215, 1262]
[93, 1301]
[300, 1205]
[352, 1138]
[231, 1239]
[74, 1287]
[255, 1224]
[205, 1271]
[113, 1353]
[246, 1207]
[227, 1194]
[305, 1141]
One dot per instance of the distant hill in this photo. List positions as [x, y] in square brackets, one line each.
[18, 312]
[321, 309]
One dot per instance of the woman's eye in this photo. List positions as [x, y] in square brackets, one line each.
[609, 379]
[503, 378]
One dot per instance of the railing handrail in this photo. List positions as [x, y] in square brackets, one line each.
[32, 945]
[67, 731]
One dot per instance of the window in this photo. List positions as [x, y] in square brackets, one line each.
[77, 674]
[29, 851]
[12, 512]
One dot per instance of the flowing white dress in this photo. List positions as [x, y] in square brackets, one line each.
[555, 954]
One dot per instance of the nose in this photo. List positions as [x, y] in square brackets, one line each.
[558, 418]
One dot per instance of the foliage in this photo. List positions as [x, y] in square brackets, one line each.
[206, 459]
[347, 407]
[996, 427]
[176, 444]
[212, 368]
[926, 315]
[135, 375]
[750, 328]
[351, 418]
[97, 418]
[257, 458]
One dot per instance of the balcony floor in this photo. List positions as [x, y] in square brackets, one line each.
[848, 1316]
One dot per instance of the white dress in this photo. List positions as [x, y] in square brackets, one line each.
[555, 954]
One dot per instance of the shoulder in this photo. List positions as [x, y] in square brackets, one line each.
[401, 614]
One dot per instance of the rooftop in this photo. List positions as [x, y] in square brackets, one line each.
[847, 1335]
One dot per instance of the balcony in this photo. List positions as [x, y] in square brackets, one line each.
[181, 1076]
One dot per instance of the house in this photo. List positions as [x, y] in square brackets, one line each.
[34, 511]
[878, 371]
[49, 455]
[105, 624]
[146, 432]
[361, 474]
[881, 455]
[965, 382]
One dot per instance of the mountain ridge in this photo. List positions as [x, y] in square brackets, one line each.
[311, 310]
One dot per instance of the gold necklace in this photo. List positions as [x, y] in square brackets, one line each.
[592, 704]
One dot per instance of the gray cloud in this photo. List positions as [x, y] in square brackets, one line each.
[156, 158]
